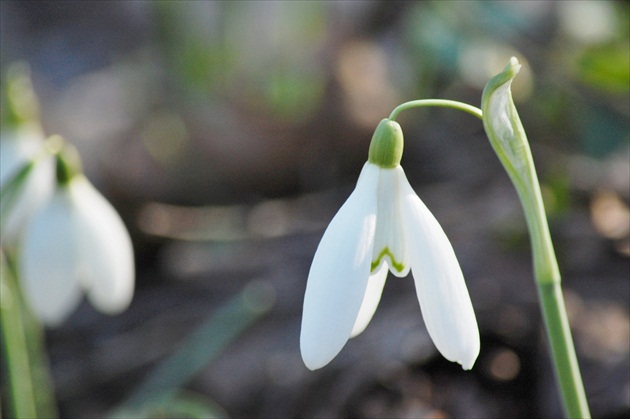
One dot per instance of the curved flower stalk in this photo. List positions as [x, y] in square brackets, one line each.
[75, 242]
[384, 226]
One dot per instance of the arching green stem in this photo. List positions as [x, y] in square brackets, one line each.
[443, 103]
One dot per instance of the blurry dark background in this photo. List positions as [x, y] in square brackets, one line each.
[227, 134]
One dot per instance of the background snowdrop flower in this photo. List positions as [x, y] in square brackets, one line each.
[21, 144]
[384, 226]
[75, 242]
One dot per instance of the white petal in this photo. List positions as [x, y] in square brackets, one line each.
[389, 242]
[339, 274]
[18, 146]
[107, 263]
[16, 149]
[48, 261]
[371, 299]
[444, 300]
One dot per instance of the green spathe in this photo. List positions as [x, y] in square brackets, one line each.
[387, 144]
[68, 161]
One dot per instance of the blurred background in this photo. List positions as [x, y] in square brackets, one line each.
[228, 134]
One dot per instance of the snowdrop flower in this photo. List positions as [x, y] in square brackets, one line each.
[384, 226]
[75, 242]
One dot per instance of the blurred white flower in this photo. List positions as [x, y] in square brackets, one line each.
[18, 147]
[21, 146]
[384, 225]
[75, 242]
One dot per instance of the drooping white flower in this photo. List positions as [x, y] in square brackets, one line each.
[76, 242]
[384, 226]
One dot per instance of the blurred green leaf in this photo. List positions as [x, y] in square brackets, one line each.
[606, 67]
[200, 348]
[181, 405]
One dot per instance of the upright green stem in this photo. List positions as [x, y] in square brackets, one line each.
[554, 313]
[507, 137]
[15, 352]
[26, 364]
[559, 334]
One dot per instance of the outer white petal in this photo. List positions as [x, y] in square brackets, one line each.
[106, 264]
[444, 300]
[17, 146]
[371, 299]
[48, 261]
[339, 274]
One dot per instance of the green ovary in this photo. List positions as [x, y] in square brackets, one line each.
[399, 266]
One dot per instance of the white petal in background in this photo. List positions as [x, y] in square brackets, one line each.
[17, 147]
[48, 270]
[106, 265]
[76, 241]
[339, 274]
[446, 307]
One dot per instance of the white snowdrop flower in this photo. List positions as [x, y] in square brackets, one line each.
[384, 226]
[76, 242]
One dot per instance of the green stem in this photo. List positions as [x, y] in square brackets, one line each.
[443, 103]
[553, 309]
[25, 360]
[14, 347]
[559, 334]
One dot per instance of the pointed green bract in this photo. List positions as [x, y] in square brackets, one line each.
[507, 136]
[68, 162]
[503, 125]
[386, 147]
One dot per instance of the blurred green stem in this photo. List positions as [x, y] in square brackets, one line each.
[15, 350]
[25, 361]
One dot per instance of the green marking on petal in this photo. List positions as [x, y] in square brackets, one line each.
[399, 266]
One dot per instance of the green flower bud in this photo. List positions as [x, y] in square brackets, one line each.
[387, 145]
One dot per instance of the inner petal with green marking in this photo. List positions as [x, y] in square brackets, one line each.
[389, 243]
[391, 261]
